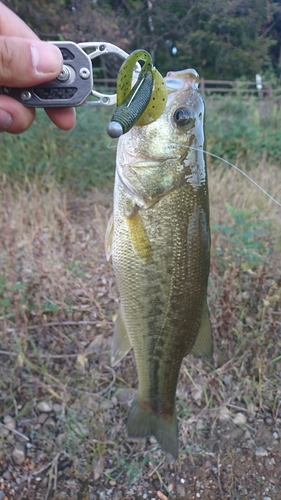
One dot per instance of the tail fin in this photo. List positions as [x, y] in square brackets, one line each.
[143, 423]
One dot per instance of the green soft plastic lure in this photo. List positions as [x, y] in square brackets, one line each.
[143, 103]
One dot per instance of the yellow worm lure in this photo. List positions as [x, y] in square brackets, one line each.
[144, 102]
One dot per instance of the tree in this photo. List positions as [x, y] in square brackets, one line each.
[222, 40]
[226, 39]
[75, 20]
[274, 32]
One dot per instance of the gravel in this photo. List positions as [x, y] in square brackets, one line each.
[19, 454]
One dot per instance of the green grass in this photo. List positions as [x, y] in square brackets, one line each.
[246, 238]
[237, 130]
[244, 129]
[79, 158]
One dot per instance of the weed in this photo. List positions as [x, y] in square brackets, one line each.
[49, 307]
[247, 238]
[80, 158]
[57, 298]
[5, 302]
[76, 268]
[243, 130]
[239, 130]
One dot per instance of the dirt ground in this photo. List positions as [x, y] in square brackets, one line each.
[63, 408]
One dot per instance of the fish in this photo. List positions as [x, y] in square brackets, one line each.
[159, 241]
[144, 102]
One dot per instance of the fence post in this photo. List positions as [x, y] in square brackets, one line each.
[269, 90]
[202, 86]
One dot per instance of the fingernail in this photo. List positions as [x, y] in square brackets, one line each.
[5, 119]
[46, 58]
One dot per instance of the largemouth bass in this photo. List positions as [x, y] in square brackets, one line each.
[159, 239]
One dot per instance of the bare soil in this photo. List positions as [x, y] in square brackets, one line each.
[63, 408]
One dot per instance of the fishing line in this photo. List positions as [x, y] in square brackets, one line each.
[112, 145]
[238, 170]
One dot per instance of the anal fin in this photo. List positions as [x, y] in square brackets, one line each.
[109, 237]
[121, 343]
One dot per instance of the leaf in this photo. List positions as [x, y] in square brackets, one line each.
[161, 495]
[82, 360]
[20, 360]
[98, 470]
[240, 419]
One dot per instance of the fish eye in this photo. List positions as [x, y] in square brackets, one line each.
[184, 116]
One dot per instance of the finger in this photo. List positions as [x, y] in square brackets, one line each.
[14, 117]
[64, 118]
[25, 62]
[12, 25]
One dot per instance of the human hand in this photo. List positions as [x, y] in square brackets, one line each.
[26, 61]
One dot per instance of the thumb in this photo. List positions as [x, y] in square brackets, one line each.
[25, 62]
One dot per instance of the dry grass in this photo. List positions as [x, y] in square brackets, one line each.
[226, 185]
[58, 300]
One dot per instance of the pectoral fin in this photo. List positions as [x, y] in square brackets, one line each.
[121, 343]
[204, 343]
[109, 237]
[138, 237]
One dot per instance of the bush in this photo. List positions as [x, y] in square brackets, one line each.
[236, 129]
[243, 129]
[79, 158]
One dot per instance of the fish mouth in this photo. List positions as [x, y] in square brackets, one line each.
[182, 80]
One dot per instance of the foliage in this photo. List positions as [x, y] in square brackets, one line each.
[274, 30]
[222, 40]
[237, 130]
[78, 158]
[246, 239]
[243, 129]
[227, 38]
[73, 20]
